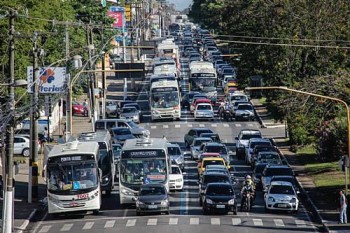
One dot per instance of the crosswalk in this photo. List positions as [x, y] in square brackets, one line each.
[174, 220]
[198, 125]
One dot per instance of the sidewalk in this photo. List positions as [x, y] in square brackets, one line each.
[328, 218]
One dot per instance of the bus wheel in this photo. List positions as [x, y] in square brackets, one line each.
[96, 212]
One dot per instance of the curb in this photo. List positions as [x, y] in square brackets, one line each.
[261, 122]
[26, 222]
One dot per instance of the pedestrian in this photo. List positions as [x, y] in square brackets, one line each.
[85, 105]
[343, 205]
[46, 134]
[60, 139]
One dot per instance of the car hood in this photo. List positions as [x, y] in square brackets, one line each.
[244, 142]
[152, 198]
[220, 198]
[129, 114]
[250, 112]
[282, 197]
[175, 176]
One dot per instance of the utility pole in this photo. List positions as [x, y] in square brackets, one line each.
[68, 129]
[33, 160]
[8, 212]
[91, 78]
[104, 88]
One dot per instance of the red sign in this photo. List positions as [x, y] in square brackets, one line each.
[118, 18]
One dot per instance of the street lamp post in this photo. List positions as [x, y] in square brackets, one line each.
[322, 97]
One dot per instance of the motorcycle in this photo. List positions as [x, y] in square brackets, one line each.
[246, 202]
[228, 115]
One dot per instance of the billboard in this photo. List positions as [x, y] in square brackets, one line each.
[49, 79]
[117, 13]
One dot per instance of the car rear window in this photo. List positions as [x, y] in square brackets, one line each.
[211, 162]
[249, 136]
[216, 149]
[279, 172]
[199, 142]
[214, 178]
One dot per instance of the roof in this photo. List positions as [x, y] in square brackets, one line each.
[75, 147]
[145, 143]
[165, 83]
[213, 158]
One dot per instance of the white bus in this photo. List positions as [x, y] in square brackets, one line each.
[203, 78]
[142, 161]
[73, 178]
[165, 100]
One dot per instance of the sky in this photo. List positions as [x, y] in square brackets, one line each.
[181, 4]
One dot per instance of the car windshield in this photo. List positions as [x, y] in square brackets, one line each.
[269, 156]
[278, 172]
[244, 107]
[132, 124]
[217, 149]
[150, 191]
[199, 142]
[121, 131]
[282, 189]
[215, 190]
[287, 179]
[211, 162]
[129, 110]
[203, 107]
[213, 178]
[174, 150]
[253, 144]
[175, 170]
[249, 136]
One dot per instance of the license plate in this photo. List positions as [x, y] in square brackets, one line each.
[282, 205]
[220, 206]
[152, 207]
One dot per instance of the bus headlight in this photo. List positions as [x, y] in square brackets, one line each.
[126, 192]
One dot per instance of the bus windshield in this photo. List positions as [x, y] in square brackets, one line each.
[140, 171]
[203, 84]
[72, 176]
[164, 99]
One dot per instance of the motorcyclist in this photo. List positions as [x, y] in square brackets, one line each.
[227, 110]
[247, 188]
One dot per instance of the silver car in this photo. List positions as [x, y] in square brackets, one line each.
[130, 112]
[21, 145]
[111, 108]
[244, 112]
[204, 111]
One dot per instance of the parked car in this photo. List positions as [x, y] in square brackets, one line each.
[196, 143]
[219, 197]
[242, 140]
[130, 113]
[176, 179]
[281, 196]
[120, 134]
[194, 133]
[176, 154]
[21, 145]
[79, 109]
[204, 111]
[152, 198]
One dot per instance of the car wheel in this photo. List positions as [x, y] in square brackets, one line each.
[96, 212]
[26, 152]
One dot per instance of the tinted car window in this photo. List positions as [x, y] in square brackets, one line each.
[175, 170]
[152, 191]
[249, 136]
[259, 168]
[279, 172]
[215, 178]
[219, 149]
[282, 189]
[174, 150]
[219, 190]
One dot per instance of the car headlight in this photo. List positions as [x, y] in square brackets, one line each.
[293, 200]
[271, 199]
[231, 202]
[165, 202]
[136, 117]
[178, 180]
[155, 112]
[138, 203]
[209, 201]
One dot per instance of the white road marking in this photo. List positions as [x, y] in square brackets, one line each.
[201, 125]
[189, 125]
[45, 229]
[67, 227]
[173, 221]
[165, 126]
[215, 221]
[236, 221]
[257, 222]
[109, 224]
[238, 125]
[153, 126]
[194, 221]
[300, 223]
[152, 222]
[250, 125]
[177, 126]
[226, 125]
[279, 222]
[88, 225]
[214, 125]
[131, 222]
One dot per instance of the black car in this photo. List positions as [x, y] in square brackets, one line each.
[214, 136]
[210, 177]
[152, 198]
[187, 99]
[259, 168]
[219, 197]
[194, 133]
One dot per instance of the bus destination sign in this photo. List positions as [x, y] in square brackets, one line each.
[197, 75]
[143, 154]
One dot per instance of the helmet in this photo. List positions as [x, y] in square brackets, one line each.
[248, 177]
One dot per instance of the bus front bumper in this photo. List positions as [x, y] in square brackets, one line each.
[157, 115]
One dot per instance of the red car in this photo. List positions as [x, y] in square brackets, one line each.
[77, 109]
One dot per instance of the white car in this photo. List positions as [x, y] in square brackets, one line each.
[281, 195]
[21, 145]
[196, 144]
[176, 179]
[204, 111]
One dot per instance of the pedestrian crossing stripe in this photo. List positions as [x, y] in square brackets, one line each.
[175, 221]
[177, 126]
